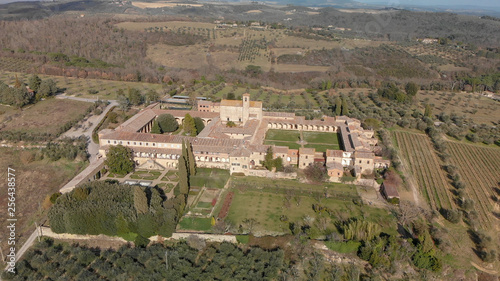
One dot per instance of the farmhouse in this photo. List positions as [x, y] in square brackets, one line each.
[241, 148]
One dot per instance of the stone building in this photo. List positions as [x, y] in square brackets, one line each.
[241, 149]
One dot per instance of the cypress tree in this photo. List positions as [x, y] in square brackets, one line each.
[156, 128]
[338, 106]
[345, 107]
[140, 200]
[191, 161]
[189, 125]
[183, 176]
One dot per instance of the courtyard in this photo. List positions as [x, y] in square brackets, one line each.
[321, 141]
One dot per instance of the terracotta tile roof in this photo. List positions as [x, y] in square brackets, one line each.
[293, 152]
[334, 165]
[277, 114]
[365, 155]
[240, 103]
[345, 139]
[240, 152]
[381, 160]
[138, 121]
[334, 153]
[182, 113]
[248, 129]
[144, 137]
[280, 149]
[390, 189]
[309, 151]
[258, 148]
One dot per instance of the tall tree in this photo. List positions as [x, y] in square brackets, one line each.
[198, 122]
[268, 159]
[345, 107]
[119, 160]
[140, 200]
[156, 128]
[189, 126]
[183, 176]
[191, 161]
[47, 88]
[428, 110]
[135, 97]
[411, 88]
[167, 123]
[34, 82]
[338, 106]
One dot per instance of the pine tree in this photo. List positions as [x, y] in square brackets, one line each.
[338, 106]
[140, 200]
[156, 128]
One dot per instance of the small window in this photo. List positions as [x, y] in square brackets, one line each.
[128, 142]
[359, 161]
[147, 144]
[140, 143]
[154, 144]
[135, 143]
[368, 162]
[227, 118]
[114, 142]
[109, 141]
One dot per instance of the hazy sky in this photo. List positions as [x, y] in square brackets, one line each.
[450, 3]
[395, 3]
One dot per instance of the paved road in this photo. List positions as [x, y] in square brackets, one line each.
[92, 149]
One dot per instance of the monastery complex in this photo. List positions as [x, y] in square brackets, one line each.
[241, 149]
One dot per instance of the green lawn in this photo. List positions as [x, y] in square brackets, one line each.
[145, 175]
[322, 147]
[283, 135]
[291, 145]
[268, 207]
[320, 137]
[201, 224]
[212, 178]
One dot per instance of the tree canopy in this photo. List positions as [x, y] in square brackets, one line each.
[119, 160]
[167, 123]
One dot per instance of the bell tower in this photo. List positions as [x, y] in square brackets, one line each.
[246, 108]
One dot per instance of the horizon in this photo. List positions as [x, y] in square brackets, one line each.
[391, 3]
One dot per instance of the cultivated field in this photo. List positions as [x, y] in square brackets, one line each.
[425, 167]
[34, 181]
[481, 109]
[480, 169]
[43, 117]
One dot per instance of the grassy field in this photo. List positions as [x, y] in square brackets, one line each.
[44, 117]
[34, 181]
[480, 169]
[210, 178]
[268, 208]
[200, 224]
